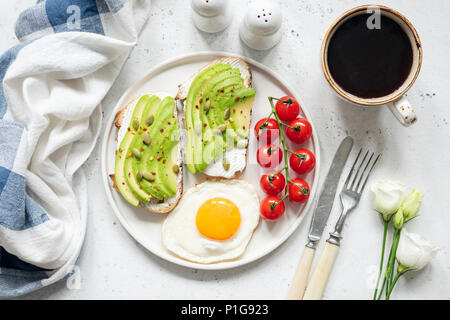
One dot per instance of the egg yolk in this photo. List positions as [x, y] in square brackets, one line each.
[218, 219]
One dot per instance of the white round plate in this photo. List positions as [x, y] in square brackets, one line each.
[145, 227]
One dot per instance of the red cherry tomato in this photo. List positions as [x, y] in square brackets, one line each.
[303, 161]
[268, 131]
[269, 156]
[271, 208]
[298, 190]
[302, 130]
[287, 108]
[272, 183]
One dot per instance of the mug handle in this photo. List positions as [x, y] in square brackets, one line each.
[403, 111]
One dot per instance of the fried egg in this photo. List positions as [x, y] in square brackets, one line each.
[214, 221]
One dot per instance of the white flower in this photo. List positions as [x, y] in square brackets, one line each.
[414, 252]
[389, 195]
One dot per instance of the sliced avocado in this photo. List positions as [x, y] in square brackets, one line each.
[200, 160]
[145, 159]
[229, 100]
[219, 87]
[160, 131]
[133, 163]
[192, 116]
[241, 113]
[218, 104]
[165, 165]
[122, 153]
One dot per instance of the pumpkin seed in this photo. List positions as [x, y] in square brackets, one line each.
[226, 114]
[221, 128]
[150, 120]
[176, 169]
[136, 153]
[226, 164]
[146, 138]
[148, 176]
[242, 144]
[139, 176]
[135, 124]
[207, 106]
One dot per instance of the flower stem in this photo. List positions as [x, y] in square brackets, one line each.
[382, 288]
[389, 265]
[397, 276]
[391, 272]
[386, 223]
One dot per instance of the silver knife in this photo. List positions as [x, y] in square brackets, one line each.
[320, 217]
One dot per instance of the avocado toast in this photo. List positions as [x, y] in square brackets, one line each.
[148, 167]
[217, 102]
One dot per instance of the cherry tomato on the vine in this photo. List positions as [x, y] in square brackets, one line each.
[272, 183]
[301, 131]
[303, 161]
[298, 190]
[287, 108]
[269, 156]
[272, 208]
[267, 131]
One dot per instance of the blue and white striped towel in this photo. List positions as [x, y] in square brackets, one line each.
[51, 88]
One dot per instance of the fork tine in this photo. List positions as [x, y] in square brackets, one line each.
[364, 171]
[357, 172]
[352, 169]
[367, 177]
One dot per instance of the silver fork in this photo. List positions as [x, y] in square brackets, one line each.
[351, 193]
[350, 196]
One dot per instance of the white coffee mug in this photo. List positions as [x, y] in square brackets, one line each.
[396, 100]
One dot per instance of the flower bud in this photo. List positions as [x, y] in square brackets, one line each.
[399, 219]
[412, 204]
[389, 195]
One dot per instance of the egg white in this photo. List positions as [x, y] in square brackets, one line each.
[181, 236]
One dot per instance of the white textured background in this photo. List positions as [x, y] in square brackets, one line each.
[113, 265]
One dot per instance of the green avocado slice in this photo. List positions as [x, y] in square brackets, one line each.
[159, 133]
[201, 155]
[215, 105]
[210, 142]
[231, 98]
[165, 165]
[241, 112]
[121, 156]
[132, 163]
[194, 148]
[217, 83]
[161, 142]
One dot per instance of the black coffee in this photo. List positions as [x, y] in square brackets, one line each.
[369, 63]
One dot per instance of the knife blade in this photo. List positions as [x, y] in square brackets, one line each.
[326, 198]
[320, 217]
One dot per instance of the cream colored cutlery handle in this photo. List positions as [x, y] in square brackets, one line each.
[301, 275]
[319, 278]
